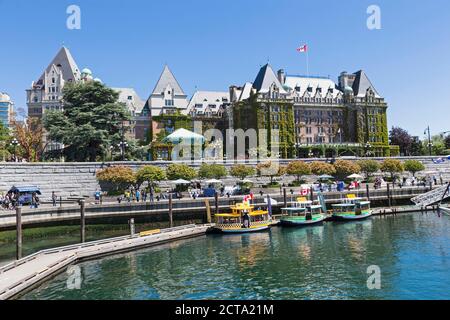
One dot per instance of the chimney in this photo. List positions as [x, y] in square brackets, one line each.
[281, 76]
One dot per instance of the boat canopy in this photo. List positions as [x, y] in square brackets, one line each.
[25, 189]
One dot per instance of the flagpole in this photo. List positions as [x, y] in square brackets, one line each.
[307, 62]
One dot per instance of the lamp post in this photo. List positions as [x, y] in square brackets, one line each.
[15, 143]
[122, 145]
[430, 145]
[367, 148]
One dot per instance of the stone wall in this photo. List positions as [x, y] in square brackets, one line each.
[75, 179]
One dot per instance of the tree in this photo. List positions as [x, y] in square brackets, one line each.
[150, 174]
[447, 141]
[298, 169]
[417, 148]
[413, 166]
[401, 138]
[4, 142]
[180, 171]
[392, 166]
[30, 136]
[369, 167]
[120, 177]
[270, 169]
[320, 168]
[344, 168]
[212, 171]
[92, 121]
[242, 171]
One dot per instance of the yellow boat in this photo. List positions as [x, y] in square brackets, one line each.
[243, 218]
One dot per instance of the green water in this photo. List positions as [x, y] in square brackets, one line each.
[322, 262]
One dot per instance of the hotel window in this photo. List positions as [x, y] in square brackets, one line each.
[169, 102]
[308, 130]
[309, 140]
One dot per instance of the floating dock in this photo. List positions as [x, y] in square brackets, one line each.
[24, 274]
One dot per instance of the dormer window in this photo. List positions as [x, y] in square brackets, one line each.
[310, 89]
[297, 88]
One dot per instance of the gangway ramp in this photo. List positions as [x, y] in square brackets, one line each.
[433, 196]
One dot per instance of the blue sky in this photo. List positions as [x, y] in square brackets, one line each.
[213, 44]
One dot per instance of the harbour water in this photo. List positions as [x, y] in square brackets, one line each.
[322, 262]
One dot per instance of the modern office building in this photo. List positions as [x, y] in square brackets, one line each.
[6, 109]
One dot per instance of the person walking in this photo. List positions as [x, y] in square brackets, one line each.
[54, 198]
[138, 195]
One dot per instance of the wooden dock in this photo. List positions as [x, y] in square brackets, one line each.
[24, 274]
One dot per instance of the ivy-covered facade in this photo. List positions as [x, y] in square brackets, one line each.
[313, 116]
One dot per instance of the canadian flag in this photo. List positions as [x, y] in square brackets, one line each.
[303, 48]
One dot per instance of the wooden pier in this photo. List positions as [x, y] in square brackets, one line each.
[24, 274]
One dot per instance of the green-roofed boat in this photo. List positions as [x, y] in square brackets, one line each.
[352, 208]
[302, 213]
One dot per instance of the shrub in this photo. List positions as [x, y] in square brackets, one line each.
[345, 168]
[270, 169]
[369, 167]
[392, 166]
[120, 177]
[151, 174]
[413, 166]
[212, 171]
[298, 169]
[321, 168]
[180, 171]
[242, 171]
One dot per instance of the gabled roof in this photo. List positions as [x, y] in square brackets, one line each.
[66, 63]
[362, 83]
[135, 104]
[300, 85]
[265, 78]
[167, 78]
[206, 98]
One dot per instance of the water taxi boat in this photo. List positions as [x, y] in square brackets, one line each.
[302, 213]
[352, 208]
[243, 218]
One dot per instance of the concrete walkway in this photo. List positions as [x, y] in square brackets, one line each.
[23, 274]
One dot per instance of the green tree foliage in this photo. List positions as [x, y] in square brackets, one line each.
[413, 166]
[150, 174]
[4, 142]
[180, 171]
[344, 168]
[92, 121]
[212, 171]
[392, 166]
[270, 169]
[120, 177]
[321, 168]
[242, 171]
[298, 169]
[369, 167]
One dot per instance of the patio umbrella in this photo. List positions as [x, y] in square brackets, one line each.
[180, 181]
[213, 181]
[325, 177]
[355, 176]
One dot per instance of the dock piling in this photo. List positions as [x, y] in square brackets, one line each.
[284, 197]
[389, 194]
[18, 233]
[170, 211]
[208, 211]
[82, 221]
[132, 227]
[216, 201]
[367, 191]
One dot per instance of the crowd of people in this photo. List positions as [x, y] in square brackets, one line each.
[11, 200]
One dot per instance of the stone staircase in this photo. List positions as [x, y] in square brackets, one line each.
[65, 179]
